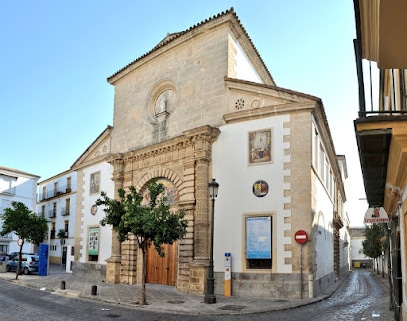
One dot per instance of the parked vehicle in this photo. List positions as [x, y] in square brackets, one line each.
[12, 255]
[29, 264]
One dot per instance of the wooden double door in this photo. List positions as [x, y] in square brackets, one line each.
[162, 270]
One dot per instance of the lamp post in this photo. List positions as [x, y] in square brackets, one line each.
[210, 297]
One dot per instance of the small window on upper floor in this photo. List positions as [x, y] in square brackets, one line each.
[327, 173]
[55, 188]
[321, 162]
[68, 185]
[44, 193]
[8, 184]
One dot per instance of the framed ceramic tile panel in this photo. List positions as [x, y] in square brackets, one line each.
[95, 183]
[260, 147]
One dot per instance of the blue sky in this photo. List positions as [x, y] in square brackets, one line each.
[56, 56]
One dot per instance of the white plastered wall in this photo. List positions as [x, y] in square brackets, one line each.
[90, 220]
[236, 199]
[324, 231]
[243, 67]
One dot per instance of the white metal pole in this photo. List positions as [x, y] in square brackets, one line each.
[49, 245]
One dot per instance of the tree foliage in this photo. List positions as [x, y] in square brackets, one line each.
[151, 224]
[375, 240]
[25, 224]
[61, 234]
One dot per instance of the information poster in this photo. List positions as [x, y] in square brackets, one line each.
[258, 237]
[93, 248]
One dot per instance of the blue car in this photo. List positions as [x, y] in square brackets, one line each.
[29, 264]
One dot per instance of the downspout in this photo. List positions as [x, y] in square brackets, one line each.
[357, 43]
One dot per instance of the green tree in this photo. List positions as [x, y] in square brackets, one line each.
[151, 224]
[25, 224]
[61, 234]
[375, 240]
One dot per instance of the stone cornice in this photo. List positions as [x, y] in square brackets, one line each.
[262, 112]
[201, 137]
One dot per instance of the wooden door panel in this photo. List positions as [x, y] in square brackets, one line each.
[162, 270]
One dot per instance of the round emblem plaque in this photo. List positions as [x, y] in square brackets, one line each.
[260, 188]
[94, 209]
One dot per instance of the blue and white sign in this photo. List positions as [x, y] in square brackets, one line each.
[258, 237]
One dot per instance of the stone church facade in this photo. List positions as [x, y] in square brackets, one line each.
[202, 105]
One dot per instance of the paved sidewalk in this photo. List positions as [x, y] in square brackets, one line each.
[380, 311]
[159, 297]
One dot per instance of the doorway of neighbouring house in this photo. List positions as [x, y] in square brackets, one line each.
[64, 251]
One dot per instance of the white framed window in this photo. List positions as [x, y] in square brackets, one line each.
[321, 163]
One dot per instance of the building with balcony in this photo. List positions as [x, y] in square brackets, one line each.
[202, 105]
[56, 201]
[16, 186]
[381, 126]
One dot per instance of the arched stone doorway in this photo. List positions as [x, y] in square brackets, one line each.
[185, 161]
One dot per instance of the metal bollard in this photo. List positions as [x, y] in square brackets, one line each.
[94, 289]
[62, 285]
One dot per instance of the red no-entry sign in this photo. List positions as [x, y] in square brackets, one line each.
[301, 237]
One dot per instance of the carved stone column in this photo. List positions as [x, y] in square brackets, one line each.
[201, 213]
[202, 139]
[114, 262]
[186, 247]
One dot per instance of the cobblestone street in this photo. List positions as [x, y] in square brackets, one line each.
[362, 296]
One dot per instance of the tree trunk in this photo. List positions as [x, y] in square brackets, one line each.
[19, 260]
[143, 279]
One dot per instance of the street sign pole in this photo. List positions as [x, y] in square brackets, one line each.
[301, 286]
[301, 237]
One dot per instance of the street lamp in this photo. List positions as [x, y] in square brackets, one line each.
[210, 297]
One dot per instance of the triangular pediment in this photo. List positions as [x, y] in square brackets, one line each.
[247, 99]
[98, 151]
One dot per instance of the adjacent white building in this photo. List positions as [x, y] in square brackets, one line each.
[357, 258]
[92, 240]
[18, 186]
[56, 201]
